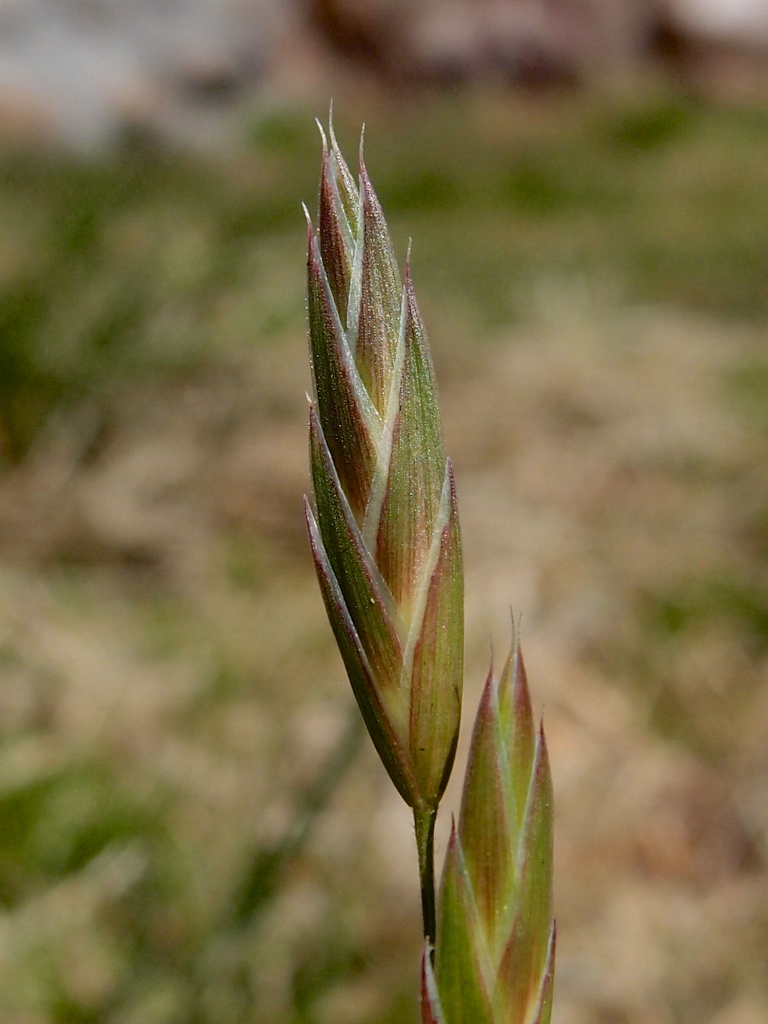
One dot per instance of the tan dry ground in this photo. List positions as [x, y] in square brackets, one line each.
[602, 464]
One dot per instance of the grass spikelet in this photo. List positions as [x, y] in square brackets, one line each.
[384, 529]
[494, 959]
[384, 533]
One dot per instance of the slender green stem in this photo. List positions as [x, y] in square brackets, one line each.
[424, 821]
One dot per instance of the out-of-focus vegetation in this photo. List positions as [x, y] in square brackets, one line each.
[177, 842]
[155, 262]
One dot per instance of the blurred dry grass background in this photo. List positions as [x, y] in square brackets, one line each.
[174, 846]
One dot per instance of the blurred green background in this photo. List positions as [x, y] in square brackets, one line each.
[190, 827]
